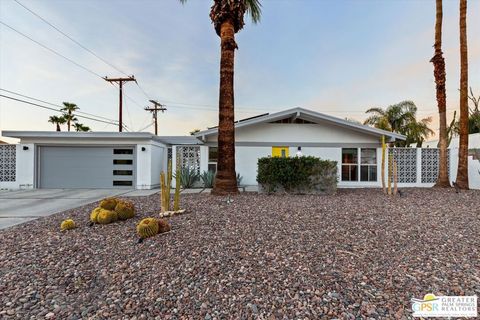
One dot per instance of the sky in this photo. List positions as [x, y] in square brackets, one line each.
[333, 56]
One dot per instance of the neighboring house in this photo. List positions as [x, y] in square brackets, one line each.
[473, 142]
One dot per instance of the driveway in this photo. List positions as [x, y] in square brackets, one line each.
[20, 206]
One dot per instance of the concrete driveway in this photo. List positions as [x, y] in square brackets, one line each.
[24, 205]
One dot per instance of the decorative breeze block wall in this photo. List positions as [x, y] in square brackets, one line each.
[8, 163]
[406, 159]
[431, 164]
[189, 157]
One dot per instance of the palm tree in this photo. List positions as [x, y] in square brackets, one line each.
[228, 18]
[418, 132]
[81, 127]
[57, 120]
[440, 79]
[400, 118]
[462, 172]
[68, 109]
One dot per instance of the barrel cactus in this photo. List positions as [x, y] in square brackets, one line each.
[108, 203]
[67, 225]
[163, 226]
[125, 210]
[106, 216]
[148, 227]
[94, 214]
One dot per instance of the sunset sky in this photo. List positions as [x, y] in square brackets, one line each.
[336, 57]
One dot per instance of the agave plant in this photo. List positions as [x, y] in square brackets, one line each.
[239, 179]
[208, 178]
[188, 177]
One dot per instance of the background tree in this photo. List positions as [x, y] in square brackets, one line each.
[418, 132]
[462, 171]
[81, 127]
[57, 121]
[440, 79]
[68, 109]
[401, 118]
[228, 18]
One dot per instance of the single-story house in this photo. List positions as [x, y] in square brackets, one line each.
[135, 159]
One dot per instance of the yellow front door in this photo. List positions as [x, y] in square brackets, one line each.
[280, 152]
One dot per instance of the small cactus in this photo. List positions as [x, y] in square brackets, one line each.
[94, 214]
[125, 210]
[148, 227]
[106, 216]
[108, 203]
[163, 226]
[67, 225]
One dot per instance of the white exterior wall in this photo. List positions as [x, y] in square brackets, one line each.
[246, 159]
[149, 165]
[25, 168]
[303, 133]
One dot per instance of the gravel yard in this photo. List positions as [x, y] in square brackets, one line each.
[358, 254]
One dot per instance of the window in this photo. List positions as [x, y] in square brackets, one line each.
[122, 161]
[122, 151]
[357, 162]
[212, 159]
[122, 172]
[350, 164]
[368, 165]
[122, 183]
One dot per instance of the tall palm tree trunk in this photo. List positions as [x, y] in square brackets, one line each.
[440, 79]
[69, 117]
[225, 180]
[462, 173]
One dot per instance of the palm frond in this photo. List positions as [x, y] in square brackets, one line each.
[254, 10]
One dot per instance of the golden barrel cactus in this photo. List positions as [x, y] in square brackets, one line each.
[67, 225]
[108, 203]
[94, 214]
[147, 228]
[106, 216]
[125, 210]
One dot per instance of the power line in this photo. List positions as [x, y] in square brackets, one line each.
[56, 105]
[69, 37]
[51, 50]
[53, 109]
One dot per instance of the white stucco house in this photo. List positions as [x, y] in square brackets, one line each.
[135, 159]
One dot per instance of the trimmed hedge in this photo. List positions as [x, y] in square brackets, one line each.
[297, 175]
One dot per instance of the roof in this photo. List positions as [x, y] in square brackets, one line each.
[307, 115]
[3, 142]
[175, 140]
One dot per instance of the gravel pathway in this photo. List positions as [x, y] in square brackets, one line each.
[356, 255]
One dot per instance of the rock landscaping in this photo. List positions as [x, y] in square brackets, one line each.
[357, 254]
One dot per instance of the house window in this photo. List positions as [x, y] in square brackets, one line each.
[212, 159]
[122, 172]
[280, 152]
[122, 183]
[122, 161]
[349, 164]
[122, 151]
[368, 165]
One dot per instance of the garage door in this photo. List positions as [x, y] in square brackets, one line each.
[86, 167]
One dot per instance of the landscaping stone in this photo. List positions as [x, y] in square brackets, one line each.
[357, 254]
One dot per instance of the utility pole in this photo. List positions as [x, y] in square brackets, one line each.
[156, 107]
[120, 85]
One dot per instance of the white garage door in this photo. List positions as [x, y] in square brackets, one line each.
[86, 167]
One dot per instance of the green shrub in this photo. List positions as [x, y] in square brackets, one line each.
[207, 177]
[297, 174]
